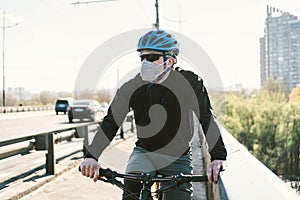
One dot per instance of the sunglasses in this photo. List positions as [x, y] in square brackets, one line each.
[150, 57]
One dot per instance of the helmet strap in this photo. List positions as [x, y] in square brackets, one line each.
[165, 59]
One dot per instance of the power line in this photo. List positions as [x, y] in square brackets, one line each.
[156, 25]
[87, 2]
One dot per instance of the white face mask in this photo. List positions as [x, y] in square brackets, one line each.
[151, 72]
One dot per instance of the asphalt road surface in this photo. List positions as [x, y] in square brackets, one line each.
[15, 125]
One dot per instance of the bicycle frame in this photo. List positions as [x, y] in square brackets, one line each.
[109, 176]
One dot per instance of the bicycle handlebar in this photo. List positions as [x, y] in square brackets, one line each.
[181, 178]
[110, 176]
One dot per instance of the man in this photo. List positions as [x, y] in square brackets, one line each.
[162, 99]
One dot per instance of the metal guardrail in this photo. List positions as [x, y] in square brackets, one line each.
[246, 177]
[11, 109]
[46, 141]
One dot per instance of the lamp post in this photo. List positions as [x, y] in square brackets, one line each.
[3, 54]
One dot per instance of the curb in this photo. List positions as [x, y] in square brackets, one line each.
[38, 185]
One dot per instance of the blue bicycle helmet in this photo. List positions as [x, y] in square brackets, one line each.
[159, 40]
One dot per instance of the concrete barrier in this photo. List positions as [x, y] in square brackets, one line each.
[11, 109]
[246, 177]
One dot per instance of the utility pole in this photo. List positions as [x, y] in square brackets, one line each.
[156, 25]
[3, 55]
[3, 94]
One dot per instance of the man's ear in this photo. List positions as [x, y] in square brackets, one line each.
[170, 62]
[173, 60]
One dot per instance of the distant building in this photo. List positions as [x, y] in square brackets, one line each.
[280, 49]
[20, 94]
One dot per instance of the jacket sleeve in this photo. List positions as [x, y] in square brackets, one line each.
[207, 119]
[110, 124]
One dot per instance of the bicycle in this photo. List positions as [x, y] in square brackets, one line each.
[110, 176]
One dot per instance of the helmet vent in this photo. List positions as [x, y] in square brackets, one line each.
[159, 32]
[158, 41]
[152, 40]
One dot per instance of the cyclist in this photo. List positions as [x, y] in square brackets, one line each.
[162, 99]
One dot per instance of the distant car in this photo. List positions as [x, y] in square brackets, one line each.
[84, 109]
[62, 104]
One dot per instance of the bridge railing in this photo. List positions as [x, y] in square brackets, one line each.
[245, 177]
[46, 141]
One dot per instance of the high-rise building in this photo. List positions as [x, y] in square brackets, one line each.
[280, 49]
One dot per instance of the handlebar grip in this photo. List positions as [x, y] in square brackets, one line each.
[105, 172]
[102, 172]
[200, 179]
[193, 178]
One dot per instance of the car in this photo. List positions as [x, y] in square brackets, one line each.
[62, 104]
[84, 109]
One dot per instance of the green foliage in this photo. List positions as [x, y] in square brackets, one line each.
[218, 103]
[268, 135]
[295, 94]
[273, 90]
[268, 126]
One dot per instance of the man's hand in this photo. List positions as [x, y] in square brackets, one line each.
[213, 170]
[90, 168]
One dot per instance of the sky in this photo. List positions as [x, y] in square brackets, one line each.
[53, 38]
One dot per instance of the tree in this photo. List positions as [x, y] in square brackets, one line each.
[295, 94]
[218, 101]
[11, 100]
[103, 96]
[99, 95]
[273, 90]
[45, 97]
[84, 94]
[239, 118]
[268, 126]
[292, 130]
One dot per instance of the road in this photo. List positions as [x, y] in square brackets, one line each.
[15, 125]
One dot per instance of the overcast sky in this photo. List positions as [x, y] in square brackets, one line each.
[53, 38]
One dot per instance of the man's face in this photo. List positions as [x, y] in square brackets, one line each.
[158, 66]
[157, 58]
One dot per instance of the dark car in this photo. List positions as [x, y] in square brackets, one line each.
[84, 109]
[62, 104]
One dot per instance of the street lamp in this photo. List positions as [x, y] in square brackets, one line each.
[3, 28]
